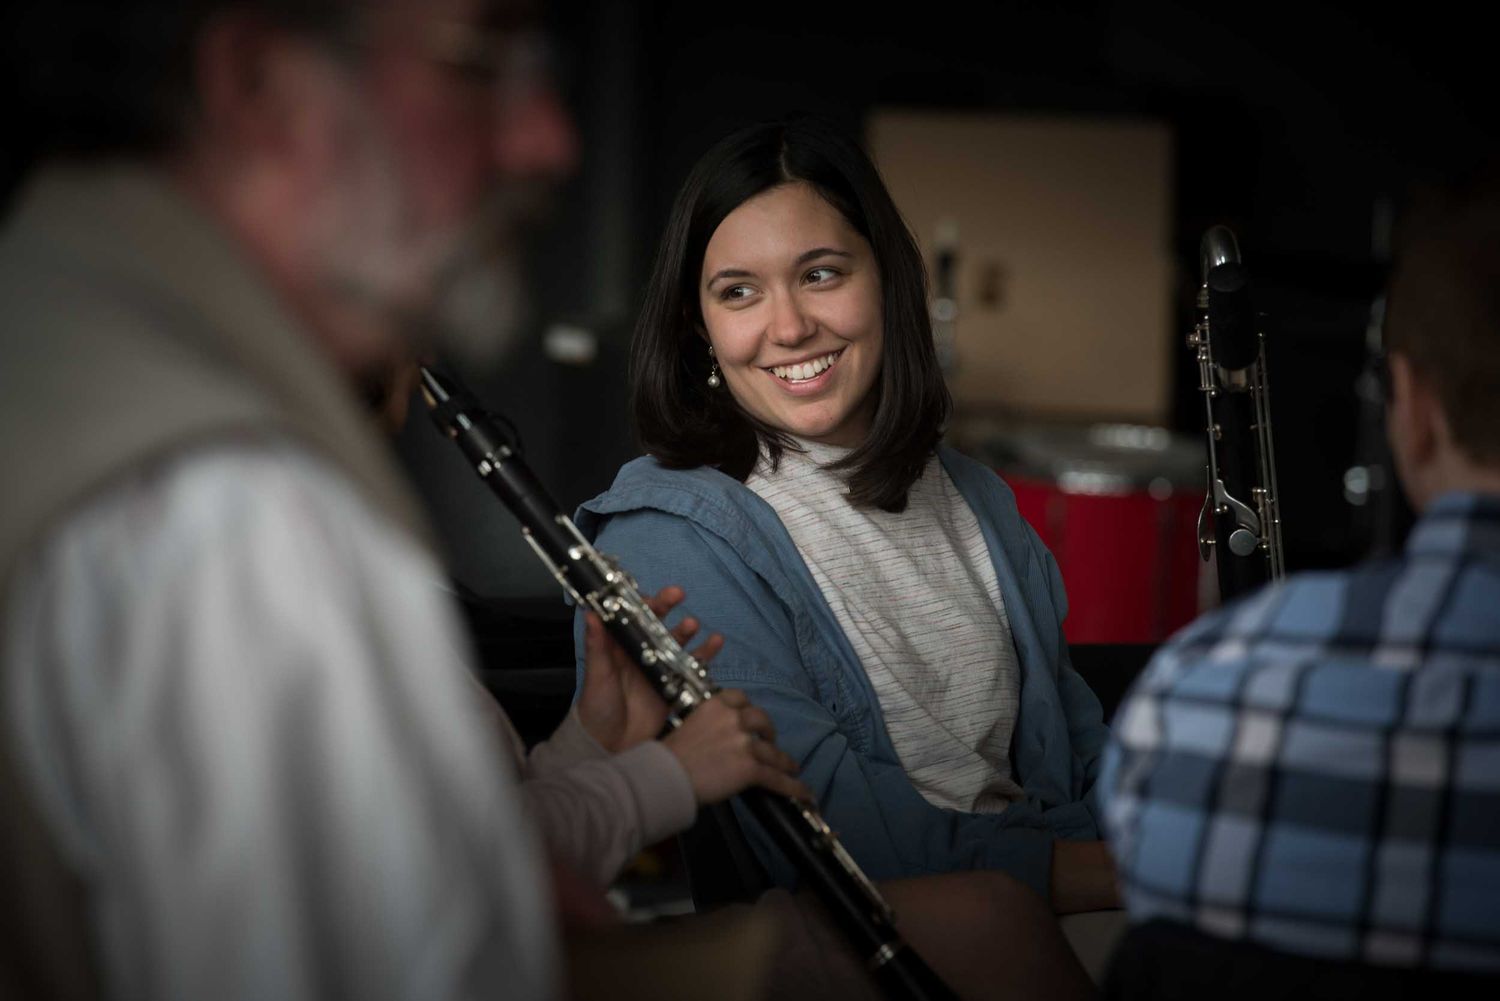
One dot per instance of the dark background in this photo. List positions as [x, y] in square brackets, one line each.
[1303, 127]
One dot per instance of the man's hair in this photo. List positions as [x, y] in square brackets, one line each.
[1444, 308]
[115, 77]
[684, 423]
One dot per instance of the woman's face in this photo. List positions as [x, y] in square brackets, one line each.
[790, 294]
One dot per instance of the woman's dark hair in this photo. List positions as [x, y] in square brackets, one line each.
[684, 423]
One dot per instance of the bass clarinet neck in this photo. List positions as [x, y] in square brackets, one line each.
[1240, 524]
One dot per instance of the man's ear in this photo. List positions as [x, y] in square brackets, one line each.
[229, 71]
[1416, 420]
[251, 77]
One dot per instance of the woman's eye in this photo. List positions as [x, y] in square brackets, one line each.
[735, 292]
[819, 275]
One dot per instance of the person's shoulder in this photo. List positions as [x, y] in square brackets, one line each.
[968, 472]
[250, 517]
[988, 495]
[649, 473]
[994, 504]
[650, 503]
[282, 471]
[1312, 620]
[700, 494]
[257, 491]
[1309, 607]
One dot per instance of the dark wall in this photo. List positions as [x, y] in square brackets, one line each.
[1301, 126]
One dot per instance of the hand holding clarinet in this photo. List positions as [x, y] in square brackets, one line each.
[726, 746]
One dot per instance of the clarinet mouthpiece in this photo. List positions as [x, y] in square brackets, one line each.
[436, 390]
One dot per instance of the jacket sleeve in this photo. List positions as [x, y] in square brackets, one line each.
[596, 810]
[865, 795]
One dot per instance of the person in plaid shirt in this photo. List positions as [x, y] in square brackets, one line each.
[1308, 780]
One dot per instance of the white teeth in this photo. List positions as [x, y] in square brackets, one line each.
[806, 370]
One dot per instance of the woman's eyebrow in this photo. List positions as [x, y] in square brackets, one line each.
[817, 252]
[728, 273]
[804, 258]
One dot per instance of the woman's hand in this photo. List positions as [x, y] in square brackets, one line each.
[1083, 877]
[578, 903]
[618, 706]
[727, 745]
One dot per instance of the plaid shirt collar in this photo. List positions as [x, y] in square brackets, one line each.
[1458, 523]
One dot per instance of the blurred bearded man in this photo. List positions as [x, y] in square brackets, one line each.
[238, 758]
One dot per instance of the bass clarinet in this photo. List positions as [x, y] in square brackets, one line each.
[595, 582]
[1242, 501]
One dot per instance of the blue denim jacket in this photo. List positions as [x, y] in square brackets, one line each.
[744, 578]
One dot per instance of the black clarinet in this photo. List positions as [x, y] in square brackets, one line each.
[597, 583]
[1242, 500]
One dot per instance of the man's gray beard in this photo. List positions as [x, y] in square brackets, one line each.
[473, 305]
[480, 309]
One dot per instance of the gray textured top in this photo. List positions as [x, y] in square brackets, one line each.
[916, 594]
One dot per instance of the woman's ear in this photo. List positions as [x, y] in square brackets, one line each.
[694, 322]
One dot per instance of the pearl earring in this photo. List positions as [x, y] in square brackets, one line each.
[714, 382]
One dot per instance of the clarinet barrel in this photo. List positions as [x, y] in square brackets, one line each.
[1240, 524]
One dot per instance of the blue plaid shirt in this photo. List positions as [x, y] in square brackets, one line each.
[1316, 768]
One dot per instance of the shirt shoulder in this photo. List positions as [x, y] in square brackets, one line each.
[711, 501]
[241, 492]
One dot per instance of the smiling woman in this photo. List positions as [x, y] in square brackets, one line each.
[784, 248]
[880, 597]
[797, 331]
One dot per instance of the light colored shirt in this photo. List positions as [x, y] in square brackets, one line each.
[235, 697]
[916, 593]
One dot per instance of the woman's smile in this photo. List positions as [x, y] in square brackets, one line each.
[807, 376]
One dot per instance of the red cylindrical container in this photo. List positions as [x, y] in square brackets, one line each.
[1118, 506]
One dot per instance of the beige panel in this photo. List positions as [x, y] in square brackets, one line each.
[1063, 243]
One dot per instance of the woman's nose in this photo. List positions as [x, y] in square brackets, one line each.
[790, 323]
